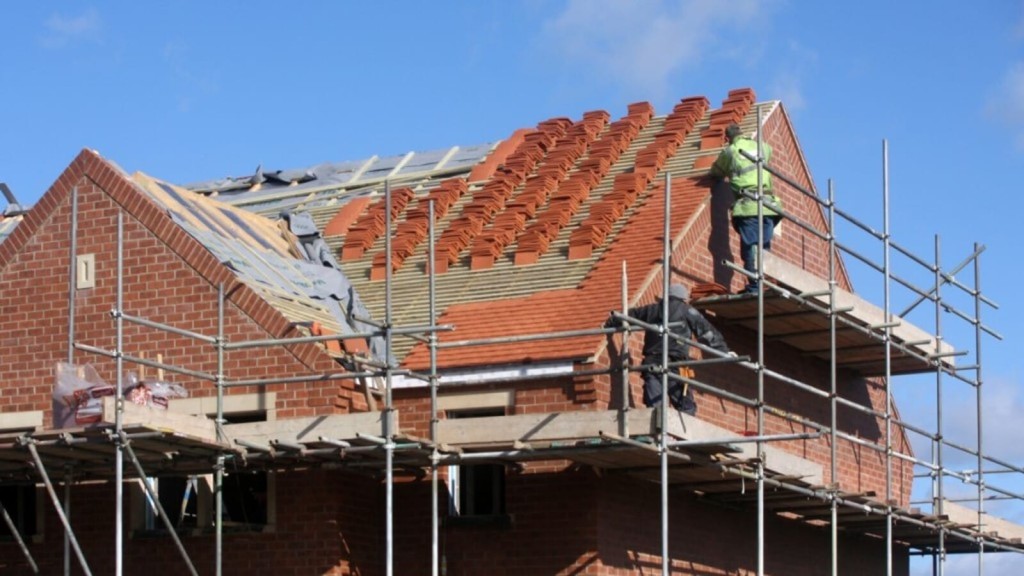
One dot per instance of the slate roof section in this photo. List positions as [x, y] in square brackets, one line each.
[267, 258]
[271, 191]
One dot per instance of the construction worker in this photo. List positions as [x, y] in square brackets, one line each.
[686, 322]
[742, 175]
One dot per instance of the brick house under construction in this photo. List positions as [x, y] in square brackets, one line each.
[399, 366]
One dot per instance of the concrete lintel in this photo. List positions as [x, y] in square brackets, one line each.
[959, 514]
[196, 427]
[806, 283]
[310, 429]
[560, 426]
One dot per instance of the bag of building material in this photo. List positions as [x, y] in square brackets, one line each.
[78, 396]
[152, 393]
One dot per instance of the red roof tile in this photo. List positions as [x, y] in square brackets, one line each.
[589, 188]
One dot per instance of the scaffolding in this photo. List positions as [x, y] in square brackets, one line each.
[622, 435]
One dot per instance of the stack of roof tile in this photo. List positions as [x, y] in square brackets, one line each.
[413, 230]
[627, 187]
[492, 198]
[567, 150]
[574, 191]
[370, 226]
[733, 109]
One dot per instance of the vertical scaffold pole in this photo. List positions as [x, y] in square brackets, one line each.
[435, 456]
[72, 290]
[21, 541]
[977, 394]
[119, 405]
[832, 368]
[389, 432]
[887, 338]
[760, 345]
[154, 498]
[624, 352]
[68, 478]
[941, 471]
[218, 479]
[41, 469]
[666, 263]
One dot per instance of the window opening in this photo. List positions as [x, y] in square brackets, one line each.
[21, 504]
[477, 489]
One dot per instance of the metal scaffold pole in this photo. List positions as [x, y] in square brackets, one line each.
[666, 564]
[29, 443]
[887, 341]
[154, 499]
[72, 290]
[760, 345]
[119, 405]
[435, 456]
[977, 393]
[21, 541]
[938, 505]
[68, 477]
[218, 479]
[624, 354]
[389, 430]
[833, 385]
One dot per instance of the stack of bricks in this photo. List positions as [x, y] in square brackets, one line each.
[411, 232]
[370, 226]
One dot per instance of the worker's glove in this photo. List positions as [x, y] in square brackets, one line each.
[611, 322]
[732, 354]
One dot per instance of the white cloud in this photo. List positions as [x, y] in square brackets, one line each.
[1002, 404]
[1006, 106]
[788, 87]
[189, 84]
[62, 29]
[641, 43]
[1018, 29]
[787, 84]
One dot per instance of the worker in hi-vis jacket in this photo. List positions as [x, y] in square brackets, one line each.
[742, 174]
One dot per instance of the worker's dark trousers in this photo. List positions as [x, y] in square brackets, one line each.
[652, 390]
[746, 227]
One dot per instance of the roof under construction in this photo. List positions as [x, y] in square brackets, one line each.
[485, 267]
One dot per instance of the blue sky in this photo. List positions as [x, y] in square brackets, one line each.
[189, 91]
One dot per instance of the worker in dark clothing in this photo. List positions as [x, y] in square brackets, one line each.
[684, 321]
[742, 174]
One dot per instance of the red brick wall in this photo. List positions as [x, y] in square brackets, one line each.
[570, 522]
[332, 523]
[329, 523]
[578, 522]
[797, 245]
[699, 253]
[860, 469]
[158, 286]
